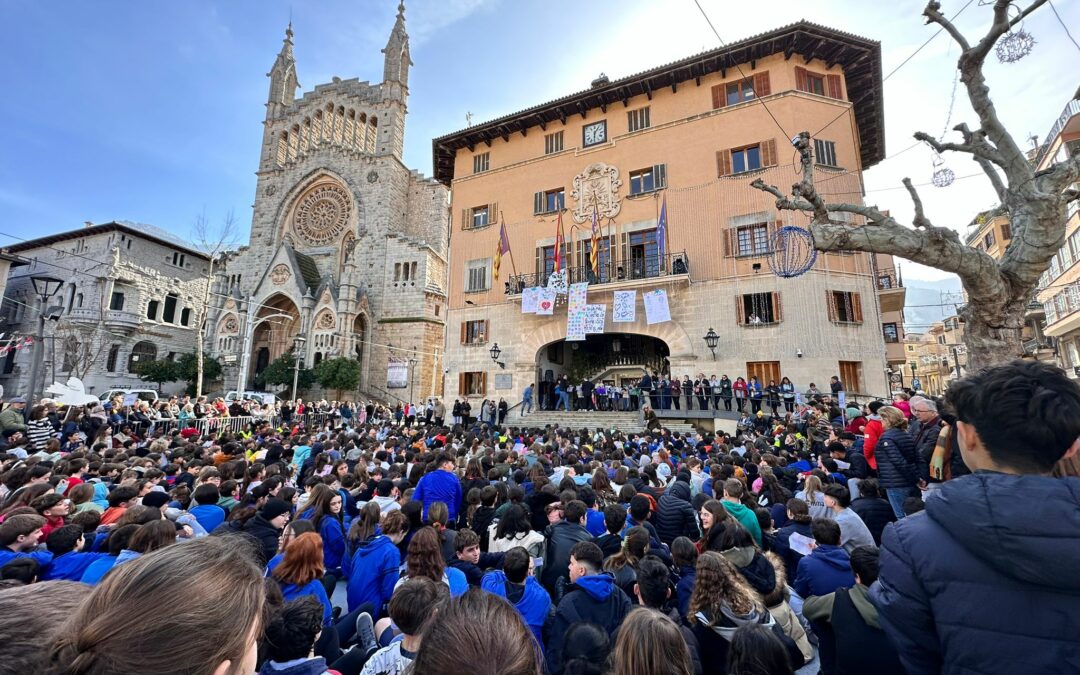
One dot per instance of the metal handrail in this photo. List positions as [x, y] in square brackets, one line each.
[609, 272]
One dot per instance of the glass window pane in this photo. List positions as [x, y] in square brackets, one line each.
[748, 89]
[753, 158]
[738, 161]
[732, 94]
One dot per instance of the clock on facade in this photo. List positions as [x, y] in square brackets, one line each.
[595, 133]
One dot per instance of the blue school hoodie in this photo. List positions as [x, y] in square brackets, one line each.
[439, 486]
[333, 538]
[7, 555]
[71, 566]
[594, 523]
[97, 569]
[209, 516]
[315, 588]
[534, 605]
[372, 573]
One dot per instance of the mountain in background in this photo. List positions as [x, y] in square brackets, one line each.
[923, 305]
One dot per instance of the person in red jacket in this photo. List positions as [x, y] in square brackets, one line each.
[872, 433]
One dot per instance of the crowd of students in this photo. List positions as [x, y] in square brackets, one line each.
[379, 548]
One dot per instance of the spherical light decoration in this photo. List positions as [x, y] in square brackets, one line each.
[943, 175]
[792, 252]
[1014, 46]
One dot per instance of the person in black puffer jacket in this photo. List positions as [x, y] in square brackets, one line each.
[674, 515]
[874, 511]
[798, 514]
[897, 460]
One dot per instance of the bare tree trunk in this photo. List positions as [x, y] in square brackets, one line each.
[1035, 202]
[213, 247]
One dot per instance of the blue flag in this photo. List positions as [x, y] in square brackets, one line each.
[661, 232]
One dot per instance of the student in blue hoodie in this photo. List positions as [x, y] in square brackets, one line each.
[374, 568]
[68, 564]
[685, 555]
[827, 568]
[116, 543]
[591, 596]
[325, 511]
[208, 513]
[19, 536]
[516, 583]
[440, 485]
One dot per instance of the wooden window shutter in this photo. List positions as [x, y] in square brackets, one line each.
[768, 152]
[466, 216]
[800, 79]
[538, 202]
[493, 213]
[486, 326]
[761, 84]
[464, 331]
[856, 304]
[461, 384]
[723, 162]
[624, 252]
[483, 382]
[778, 310]
[539, 262]
[718, 98]
[832, 86]
[730, 242]
[831, 304]
[739, 318]
[660, 175]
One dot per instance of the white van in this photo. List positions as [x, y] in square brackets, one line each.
[148, 395]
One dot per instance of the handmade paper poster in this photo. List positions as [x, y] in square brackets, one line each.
[530, 299]
[557, 282]
[545, 305]
[594, 318]
[576, 298]
[656, 307]
[624, 309]
[575, 325]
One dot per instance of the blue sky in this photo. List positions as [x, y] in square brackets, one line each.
[151, 111]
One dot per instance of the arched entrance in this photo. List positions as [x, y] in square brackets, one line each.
[277, 323]
[610, 358]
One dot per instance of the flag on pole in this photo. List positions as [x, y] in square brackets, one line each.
[558, 244]
[661, 232]
[594, 246]
[502, 247]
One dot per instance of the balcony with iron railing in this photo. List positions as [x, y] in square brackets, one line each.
[891, 291]
[1072, 109]
[646, 270]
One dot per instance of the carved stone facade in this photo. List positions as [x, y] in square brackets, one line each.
[335, 211]
[597, 187]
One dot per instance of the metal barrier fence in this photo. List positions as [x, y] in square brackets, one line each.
[220, 425]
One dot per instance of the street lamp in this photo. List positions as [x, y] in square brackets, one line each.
[495, 352]
[45, 287]
[711, 340]
[298, 346]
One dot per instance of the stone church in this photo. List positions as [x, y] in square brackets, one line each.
[348, 246]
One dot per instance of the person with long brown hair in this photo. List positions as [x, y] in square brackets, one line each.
[714, 518]
[108, 633]
[425, 559]
[650, 643]
[623, 565]
[723, 601]
[324, 509]
[497, 641]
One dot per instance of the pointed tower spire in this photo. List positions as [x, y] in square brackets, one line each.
[396, 61]
[283, 82]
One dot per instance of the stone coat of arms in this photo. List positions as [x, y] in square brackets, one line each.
[598, 185]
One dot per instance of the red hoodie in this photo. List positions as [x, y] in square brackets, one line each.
[873, 432]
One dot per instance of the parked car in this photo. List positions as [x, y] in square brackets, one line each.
[144, 394]
[260, 396]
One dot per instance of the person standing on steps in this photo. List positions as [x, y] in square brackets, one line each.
[527, 400]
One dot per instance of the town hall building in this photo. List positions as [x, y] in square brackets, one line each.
[348, 247]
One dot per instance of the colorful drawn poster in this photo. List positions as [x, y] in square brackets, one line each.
[595, 315]
[575, 325]
[656, 306]
[577, 295]
[530, 300]
[624, 309]
[545, 305]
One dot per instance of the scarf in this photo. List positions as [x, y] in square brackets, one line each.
[941, 460]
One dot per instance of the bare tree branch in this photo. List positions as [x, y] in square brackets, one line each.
[215, 246]
[920, 216]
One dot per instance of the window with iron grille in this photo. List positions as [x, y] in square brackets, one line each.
[825, 152]
[638, 119]
[753, 239]
[553, 143]
[481, 162]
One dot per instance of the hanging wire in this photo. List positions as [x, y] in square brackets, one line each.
[1063, 26]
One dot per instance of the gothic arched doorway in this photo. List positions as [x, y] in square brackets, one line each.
[277, 323]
